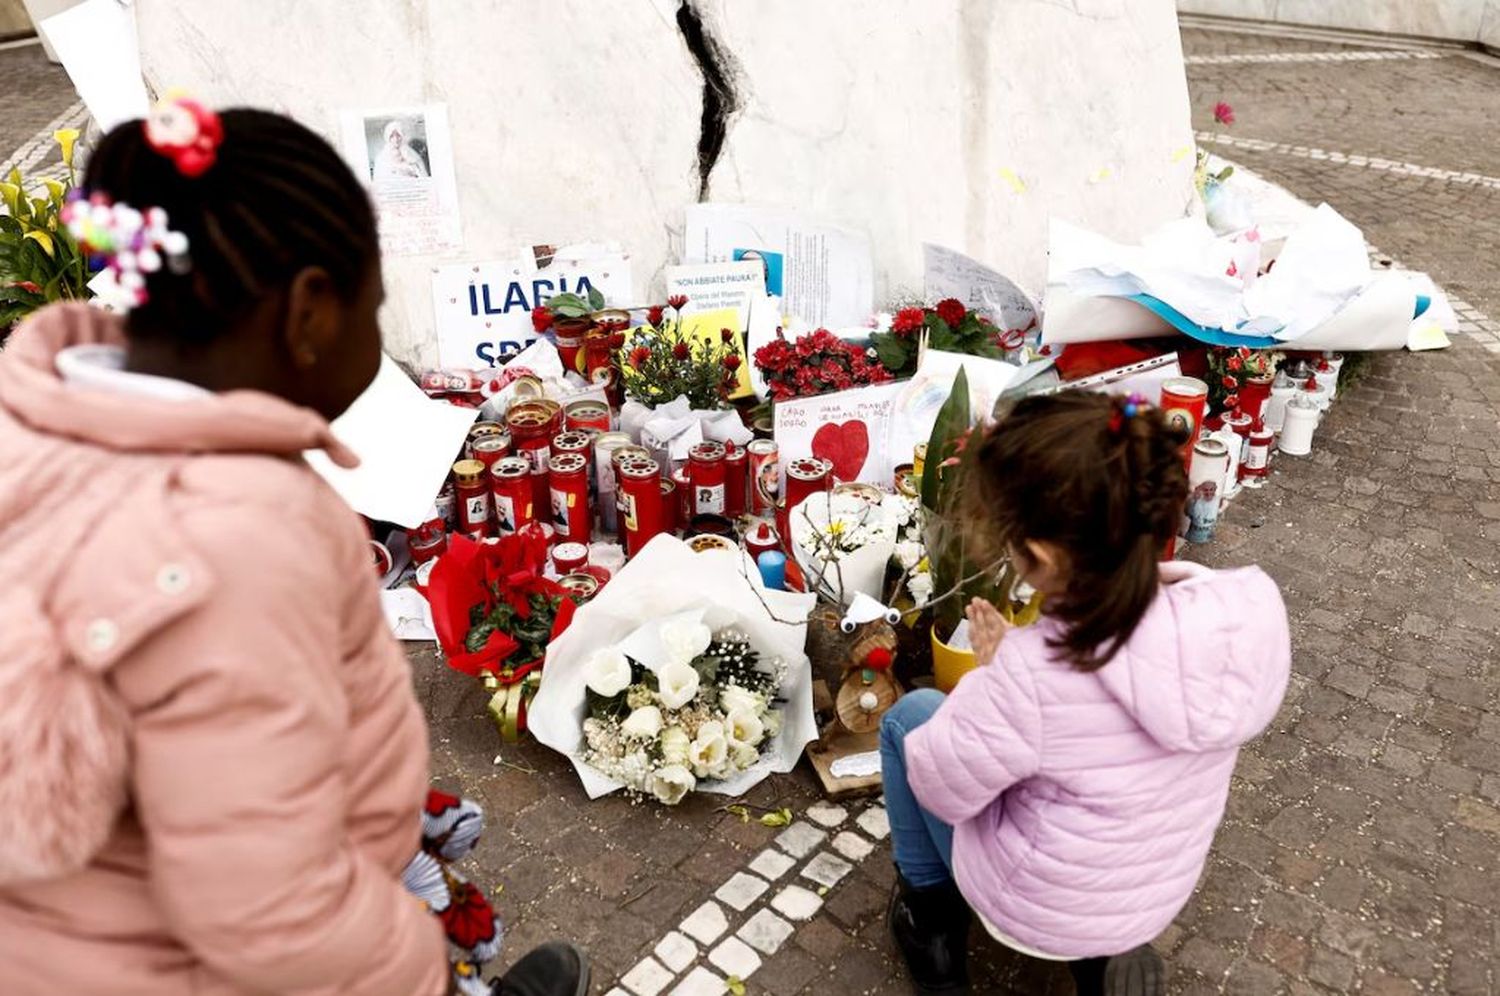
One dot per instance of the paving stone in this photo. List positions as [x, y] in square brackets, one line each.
[765, 932]
[873, 822]
[648, 978]
[852, 846]
[700, 982]
[741, 890]
[800, 839]
[826, 814]
[735, 958]
[826, 869]
[797, 903]
[676, 952]
[706, 924]
[772, 864]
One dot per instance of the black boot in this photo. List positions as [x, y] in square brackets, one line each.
[1140, 972]
[555, 969]
[931, 928]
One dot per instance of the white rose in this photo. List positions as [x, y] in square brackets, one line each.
[607, 672]
[643, 723]
[920, 586]
[671, 783]
[734, 698]
[709, 752]
[746, 728]
[908, 555]
[676, 684]
[675, 745]
[743, 756]
[684, 641]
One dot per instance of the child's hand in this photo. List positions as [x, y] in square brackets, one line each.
[987, 627]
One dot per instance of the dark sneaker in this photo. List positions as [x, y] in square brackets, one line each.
[555, 969]
[1135, 973]
[931, 930]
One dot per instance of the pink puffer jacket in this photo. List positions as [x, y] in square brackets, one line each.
[1084, 803]
[247, 831]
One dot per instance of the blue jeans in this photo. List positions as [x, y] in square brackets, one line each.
[921, 844]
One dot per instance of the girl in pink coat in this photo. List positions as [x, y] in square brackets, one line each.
[1068, 790]
[212, 761]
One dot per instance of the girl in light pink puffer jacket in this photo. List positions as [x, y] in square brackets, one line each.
[1069, 788]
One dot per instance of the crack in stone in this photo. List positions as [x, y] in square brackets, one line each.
[720, 100]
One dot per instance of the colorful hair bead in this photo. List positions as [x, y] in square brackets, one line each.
[131, 243]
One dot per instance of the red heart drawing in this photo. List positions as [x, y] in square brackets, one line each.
[846, 445]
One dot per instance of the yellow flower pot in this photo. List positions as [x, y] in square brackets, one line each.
[948, 664]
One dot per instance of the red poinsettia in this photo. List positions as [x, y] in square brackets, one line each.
[541, 319]
[908, 321]
[952, 311]
[1223, 113]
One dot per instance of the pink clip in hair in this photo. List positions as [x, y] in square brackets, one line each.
[186, 132]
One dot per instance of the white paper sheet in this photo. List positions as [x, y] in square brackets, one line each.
[97, 44]
[664, 579]
[406, 443]
[822, 273]
[916, 407]
[848, 428]
[714, 286]
[949, 273]
[407, 614]
[482, 309]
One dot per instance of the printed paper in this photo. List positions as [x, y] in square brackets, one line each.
[822, 273]
[405, 155]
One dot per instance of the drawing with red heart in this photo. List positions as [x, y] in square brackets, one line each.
[846, 445]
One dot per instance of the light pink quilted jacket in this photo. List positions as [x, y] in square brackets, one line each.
[1084, 803]
[245, 829]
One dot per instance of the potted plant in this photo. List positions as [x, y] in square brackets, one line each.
[816, 363]
[949, 327]
[39, 260]
[662, 361]
[952, 556]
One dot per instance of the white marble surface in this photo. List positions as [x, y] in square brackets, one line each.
[1455, 20]
[580, 120]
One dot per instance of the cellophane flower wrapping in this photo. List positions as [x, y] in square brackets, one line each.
[843, 543]
[665, 591]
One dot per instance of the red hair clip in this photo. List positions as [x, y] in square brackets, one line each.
[186, 132]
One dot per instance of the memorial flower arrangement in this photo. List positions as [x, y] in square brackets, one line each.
[844, 542]
[949, 326]
[494, 613]
[706, 714]
[40, 261]
[662, 360]
[1229, 368]
[816, 363]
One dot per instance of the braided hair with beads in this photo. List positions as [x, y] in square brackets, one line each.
[275, 198]
[1101, 479]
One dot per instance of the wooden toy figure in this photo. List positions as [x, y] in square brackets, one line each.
[862, 644]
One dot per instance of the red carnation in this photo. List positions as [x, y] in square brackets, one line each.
[681, 351]
[1235, 363]
[908, 320]
[731, 362]
[676, 301]
[653, 316]
[638, 356]
[1244, 352]
[541, 319]
[1232, 401]
[1223, 113]
[952, 311]
[727, 335]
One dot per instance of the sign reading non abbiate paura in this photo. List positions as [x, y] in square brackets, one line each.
[483, 311]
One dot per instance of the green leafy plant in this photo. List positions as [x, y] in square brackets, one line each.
[572, 305]
[662, 361]
[960, 572]
[39, 260]
[949, 327]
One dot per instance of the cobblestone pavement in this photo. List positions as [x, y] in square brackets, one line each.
[1359, 851]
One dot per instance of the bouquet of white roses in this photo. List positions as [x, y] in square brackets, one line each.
[705, 714]
[684, 673]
